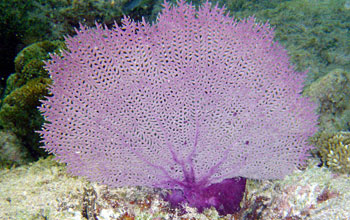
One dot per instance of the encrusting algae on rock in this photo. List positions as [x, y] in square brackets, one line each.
[44, 190]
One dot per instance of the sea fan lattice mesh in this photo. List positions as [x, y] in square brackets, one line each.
[195, 95]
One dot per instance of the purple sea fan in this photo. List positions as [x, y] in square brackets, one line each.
[186, 103]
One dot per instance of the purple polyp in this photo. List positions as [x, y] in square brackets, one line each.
[225, 196]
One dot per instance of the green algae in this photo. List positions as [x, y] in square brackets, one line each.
[315, 33]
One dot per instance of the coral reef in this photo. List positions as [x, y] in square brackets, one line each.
[23, 22]
[18, 112]
[13, 25]
[29, 62]
[32, 191]
[334, 149]
[314, 193]
[314, 32]
[35, 20]
[24, 89]
[206, 114]
[44, 190]
[316, 36]
[332, 95]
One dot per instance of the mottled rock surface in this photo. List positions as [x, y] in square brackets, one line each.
[43, 190]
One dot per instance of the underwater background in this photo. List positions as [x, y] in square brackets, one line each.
[316, 36]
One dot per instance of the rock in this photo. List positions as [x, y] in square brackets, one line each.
[44, 189]
[332, 93]
[313, 194]
[11, 149]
